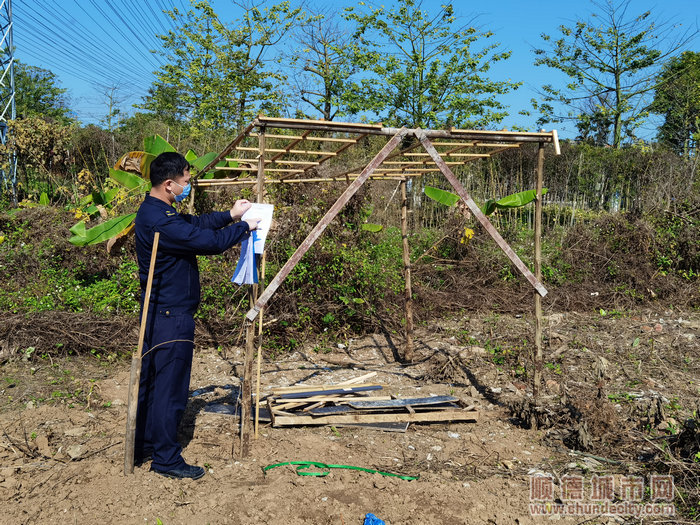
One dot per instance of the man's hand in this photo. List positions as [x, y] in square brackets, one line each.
[239, 208]
[253, 224]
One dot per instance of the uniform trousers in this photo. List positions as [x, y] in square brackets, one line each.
[164, 387]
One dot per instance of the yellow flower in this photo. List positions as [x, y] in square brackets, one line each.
[467, 235]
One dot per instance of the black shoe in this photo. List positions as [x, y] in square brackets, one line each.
[186, 471]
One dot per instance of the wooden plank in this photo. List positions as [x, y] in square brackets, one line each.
[311, 388]
[347, 407]
[335, 399]
[394, 403]
[344, 390]
[324, 399]
[418, 417]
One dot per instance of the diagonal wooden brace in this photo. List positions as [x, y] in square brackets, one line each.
[323, 223]
[447, 172]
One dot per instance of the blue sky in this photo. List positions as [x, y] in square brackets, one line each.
[89, 46]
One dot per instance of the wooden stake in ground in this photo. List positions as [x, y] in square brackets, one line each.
[135, 378]
[408, 293]
[537, 375]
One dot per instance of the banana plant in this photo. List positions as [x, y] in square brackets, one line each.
[131, 173]
[516, 200]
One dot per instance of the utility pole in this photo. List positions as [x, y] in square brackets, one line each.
[8, 172]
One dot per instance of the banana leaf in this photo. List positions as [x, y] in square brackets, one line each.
[155, 145]
[190, 156]
[443, 197]
[510, 201]
[129, 180]
[78, 229]
[374, 228]
[101, 232]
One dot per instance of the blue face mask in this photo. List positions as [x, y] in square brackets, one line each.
[185, 192]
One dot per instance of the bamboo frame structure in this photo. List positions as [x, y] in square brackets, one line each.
[310, 151]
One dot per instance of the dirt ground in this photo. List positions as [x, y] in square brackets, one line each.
[618, 390]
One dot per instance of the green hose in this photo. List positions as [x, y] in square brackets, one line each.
[303, 465]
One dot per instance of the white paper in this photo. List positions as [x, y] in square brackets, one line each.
[263, 212]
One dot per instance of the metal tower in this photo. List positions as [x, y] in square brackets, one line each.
[8, 172]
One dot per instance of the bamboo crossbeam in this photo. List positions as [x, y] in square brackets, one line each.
[418, 162]
[282, 161]
[292, 144]
[276, 170]
[239, 182]
[293, 151]
[228, 149]
[392, 156]
[474, 155]
[407, 173]
[292, 123]
[317, 139]
[378, 129]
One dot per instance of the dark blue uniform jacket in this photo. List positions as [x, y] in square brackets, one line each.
[182, 237]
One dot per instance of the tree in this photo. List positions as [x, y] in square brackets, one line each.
[677, 98]
[217, 75]
[37, 94]
[422, 70]
[612, 61]
[324, 65]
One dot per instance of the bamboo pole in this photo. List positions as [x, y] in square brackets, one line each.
[262, 142]
[318, 139]
[537, 375]
[238, 182]
[408, 293]
[135, 379]
[247, 388]
[260, 332]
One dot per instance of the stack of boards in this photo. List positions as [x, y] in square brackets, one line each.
[361, 404]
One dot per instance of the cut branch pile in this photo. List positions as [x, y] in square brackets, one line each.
[356, 403]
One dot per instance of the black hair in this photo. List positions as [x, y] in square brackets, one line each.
[167, 165]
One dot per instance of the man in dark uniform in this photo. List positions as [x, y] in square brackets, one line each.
[175, 295]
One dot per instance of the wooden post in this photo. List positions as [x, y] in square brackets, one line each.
[408, 293]
[135, 379]
[260, 331]
[247, 388]
[537, 374]
[261, 275]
